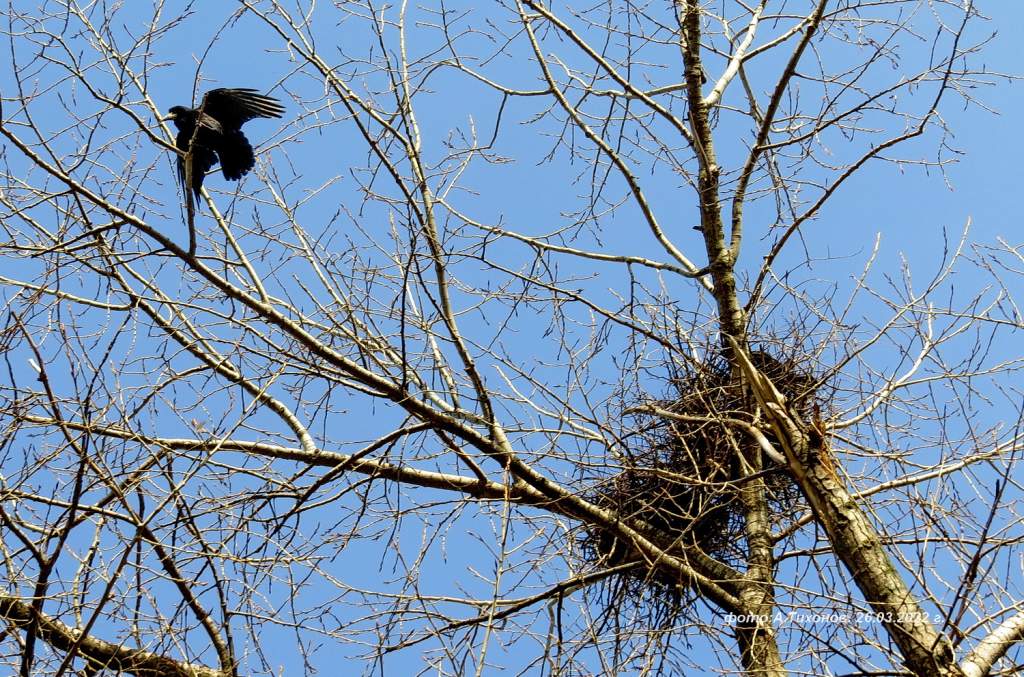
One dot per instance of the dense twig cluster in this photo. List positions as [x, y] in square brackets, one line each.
[681, 476]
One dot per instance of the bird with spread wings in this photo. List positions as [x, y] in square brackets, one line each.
[213, 132]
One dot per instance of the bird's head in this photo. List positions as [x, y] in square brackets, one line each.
[178, 115]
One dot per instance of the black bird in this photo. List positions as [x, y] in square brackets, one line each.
[219, 137]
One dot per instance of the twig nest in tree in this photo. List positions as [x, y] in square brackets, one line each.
[680, 481]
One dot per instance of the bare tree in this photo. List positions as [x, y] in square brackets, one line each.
[519, 350]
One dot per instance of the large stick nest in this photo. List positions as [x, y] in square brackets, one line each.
[682, 479]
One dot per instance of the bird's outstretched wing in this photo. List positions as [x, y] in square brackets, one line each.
[233, 107]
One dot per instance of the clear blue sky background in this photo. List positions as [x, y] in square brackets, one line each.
[909, 207]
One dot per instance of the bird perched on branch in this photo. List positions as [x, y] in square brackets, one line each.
[213, 132]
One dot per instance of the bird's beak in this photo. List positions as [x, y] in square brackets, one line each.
[169, 118]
